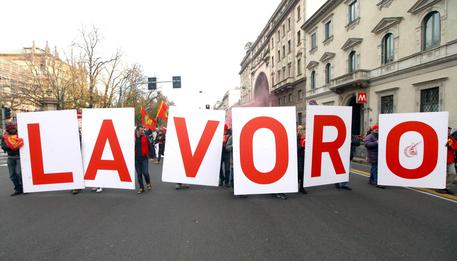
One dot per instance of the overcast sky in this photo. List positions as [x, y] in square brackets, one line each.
[201, 40]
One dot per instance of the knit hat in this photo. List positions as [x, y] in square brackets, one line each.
[375, 127]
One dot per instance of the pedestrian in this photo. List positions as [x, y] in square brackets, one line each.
[11, 144]
[141, 158]
[355, 142]
[229, 148]
[224, 172]
[451, 145]
[160, 141]
[371, 143]
[301, 157]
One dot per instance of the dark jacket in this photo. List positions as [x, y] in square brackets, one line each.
[355, 142]
[141, 145]
[10, 152]
[371, 143]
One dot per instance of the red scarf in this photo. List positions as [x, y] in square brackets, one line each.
[144, 146]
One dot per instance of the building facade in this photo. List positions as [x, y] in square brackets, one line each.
[401, 53]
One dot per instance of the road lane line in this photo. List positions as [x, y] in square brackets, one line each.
[430, 192]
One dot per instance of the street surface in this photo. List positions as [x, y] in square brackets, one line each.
[203, 223]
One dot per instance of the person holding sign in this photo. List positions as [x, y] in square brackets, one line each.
[371, 143]
[141, 158]
[11, 144]
[451, 173]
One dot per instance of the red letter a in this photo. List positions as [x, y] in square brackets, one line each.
[319, 147]
[36, 160]
[107, 133]
[192, 162]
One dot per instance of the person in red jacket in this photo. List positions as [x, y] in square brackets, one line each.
[141, 158]
[451, 145]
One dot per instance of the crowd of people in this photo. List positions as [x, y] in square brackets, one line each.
[150, 145]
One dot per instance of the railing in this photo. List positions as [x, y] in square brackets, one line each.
[349, 78]
[317, 91]
[283, 82]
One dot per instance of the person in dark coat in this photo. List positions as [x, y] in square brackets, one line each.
[141, 158]
[224, 172]
[300, 157]
[355, 142]
[11, 144]
[371, 143]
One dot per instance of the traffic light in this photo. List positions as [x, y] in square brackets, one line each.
[176, 81]
[7, 113]
[207, 106]
[152, 83]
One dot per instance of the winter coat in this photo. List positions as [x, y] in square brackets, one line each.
[371, 143]
[451, 148]
[229, 149]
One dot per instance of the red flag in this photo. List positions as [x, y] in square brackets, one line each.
[147, 121]
[162, 112]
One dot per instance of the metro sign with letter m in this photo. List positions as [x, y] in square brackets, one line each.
[361, 97]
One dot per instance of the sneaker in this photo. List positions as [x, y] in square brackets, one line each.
[148, 186]
[98, 190]
[140, 191]
[75, 191]
[178, 186]
[281, 196]
[381, 187]
[15, 193]
[93, 189]
[302, 190]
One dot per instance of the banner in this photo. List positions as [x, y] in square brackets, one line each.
[412, 149]
[193, 146]
[51, 154]
[108, 148]
[264, 150]
[328, 145]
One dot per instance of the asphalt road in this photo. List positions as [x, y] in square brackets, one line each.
[203, 223]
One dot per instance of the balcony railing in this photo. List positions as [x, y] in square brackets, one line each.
[349, 79]
[317, 91]
[286, 81]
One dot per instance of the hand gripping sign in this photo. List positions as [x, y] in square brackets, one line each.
[51, 155]
[194, 146]
[108, 148]
[328, 145]
[264, 150]
[412, 149]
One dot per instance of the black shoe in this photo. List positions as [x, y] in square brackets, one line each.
[16, 193]
[345, 187]
[449, 192]
[75, 191]
[445, 191]
[337, 185]
[281, 196]
[302, 190]
[381, 187]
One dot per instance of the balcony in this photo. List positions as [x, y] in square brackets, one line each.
[317, 91]
[358, 78]
[283, 85]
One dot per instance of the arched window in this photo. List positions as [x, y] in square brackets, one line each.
[352, 62]
[388, 48]
[431, 32]
[313, 79]
[328, 73]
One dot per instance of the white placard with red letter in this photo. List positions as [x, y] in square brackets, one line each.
[194, 146]
[51, 155]
[108, 146]
[264, 150]
[328, 145]
[412, 149]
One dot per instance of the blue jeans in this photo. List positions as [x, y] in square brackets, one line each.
[14, 168]
[374, 173]
[142, 169]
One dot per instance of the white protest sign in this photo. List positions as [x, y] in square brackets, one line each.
[193, 146]
[328, 145]
[108, 148]
[264, 150]
[51, 155]
[412, 149]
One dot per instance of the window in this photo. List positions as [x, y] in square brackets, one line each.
[272, 42]
[328, 73]
[298, 13]
[283, 30]
[352, 62]
[388, 48]
[328, 30]
[279, 75]
[272, 61]
[298, 37]
[279, 55]
[298, 66]
[300, 95]
[289, 46]
[430, 100]
[431, 30]
[278, 35]
[273, 78]
[299, 116]
[352, 11]
[387, 104]
[289, 69]
[288, 24]
[313, 41]
[283, 51]
[290, 97]
[284, 72]
[313, 80]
